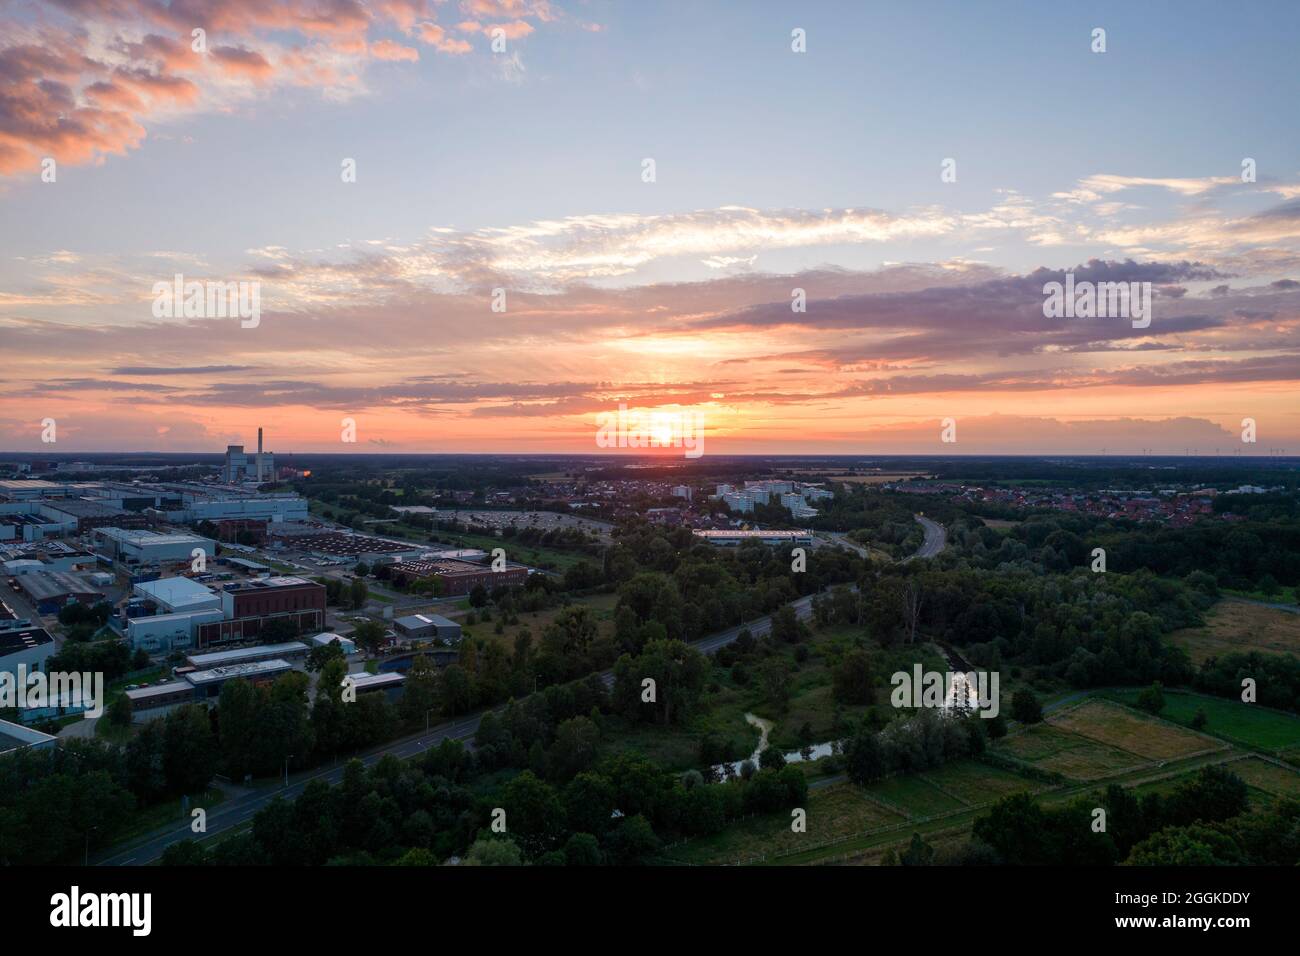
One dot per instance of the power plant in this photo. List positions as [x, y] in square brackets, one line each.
[241, 467]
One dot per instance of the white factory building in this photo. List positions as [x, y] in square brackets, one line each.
[151, 547]
[183, 605]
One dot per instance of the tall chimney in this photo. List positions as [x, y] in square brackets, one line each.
[259, 456]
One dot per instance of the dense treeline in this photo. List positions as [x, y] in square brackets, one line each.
[1203, 822]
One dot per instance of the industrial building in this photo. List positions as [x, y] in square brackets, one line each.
[207, 684]
[241, 467]
[346, 644]
[356, 547]
[143, 547]
[428, 627]
[459, 577]
[387, 682]
[14, 737]
[288, 651]
[156, 700]
[162, 633]
[28, 646]
[199, 687]
[51, 590]
[247, 606]
[178, 595]
[181, 605]
[734, 538]
[33, 521]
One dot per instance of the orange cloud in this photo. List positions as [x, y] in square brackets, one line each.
[395, 52]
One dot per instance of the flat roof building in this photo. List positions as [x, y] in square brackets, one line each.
[141, 546]
[459, 577]
[733, 538]
[29, 646]
[51, 590]
[428, 626]
[208, 683]
[179, 595]
[157, 699]
[14, 737]
[248, 655]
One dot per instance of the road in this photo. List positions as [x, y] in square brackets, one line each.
[235, 812]
[935, 538]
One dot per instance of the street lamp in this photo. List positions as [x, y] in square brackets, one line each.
[87, 862]
[286, 768]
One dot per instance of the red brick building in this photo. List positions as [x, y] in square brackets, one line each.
[459, 577]
[228, 529]
[248, 606]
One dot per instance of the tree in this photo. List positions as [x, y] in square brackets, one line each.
[865, 759]
[534, 814]
[369, 635]
[190, 751]
[119, 711]
[912, 600]
[322, 654]
[574, 748]
[238, 713]
[679, 673]
[633, 841]
[185, 853]
[589, 803]
[1199, 719]
[786, 627]
[494, 852]
[852, 680]
[358, 592]
[1185, 846]
[1025, 707]
[774, 679]
[420, 690]
[582, 849]
[1151, 699]
[918, 852]
[478, 596]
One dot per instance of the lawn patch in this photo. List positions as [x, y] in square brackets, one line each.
[1050, 748]
[1247, 724]
[834, 812]
[1116, 726]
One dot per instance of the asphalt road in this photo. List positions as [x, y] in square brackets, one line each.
[936, 536]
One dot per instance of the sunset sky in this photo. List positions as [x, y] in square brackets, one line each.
[522, 170]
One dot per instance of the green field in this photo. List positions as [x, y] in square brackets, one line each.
[833, 812]
[1268, 777]
[1246, 724]
[1050, 748]
[974, 782]
[915, 795]
[1107, 723]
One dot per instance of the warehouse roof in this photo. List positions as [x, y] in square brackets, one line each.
[47, 585]
[177, 593]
